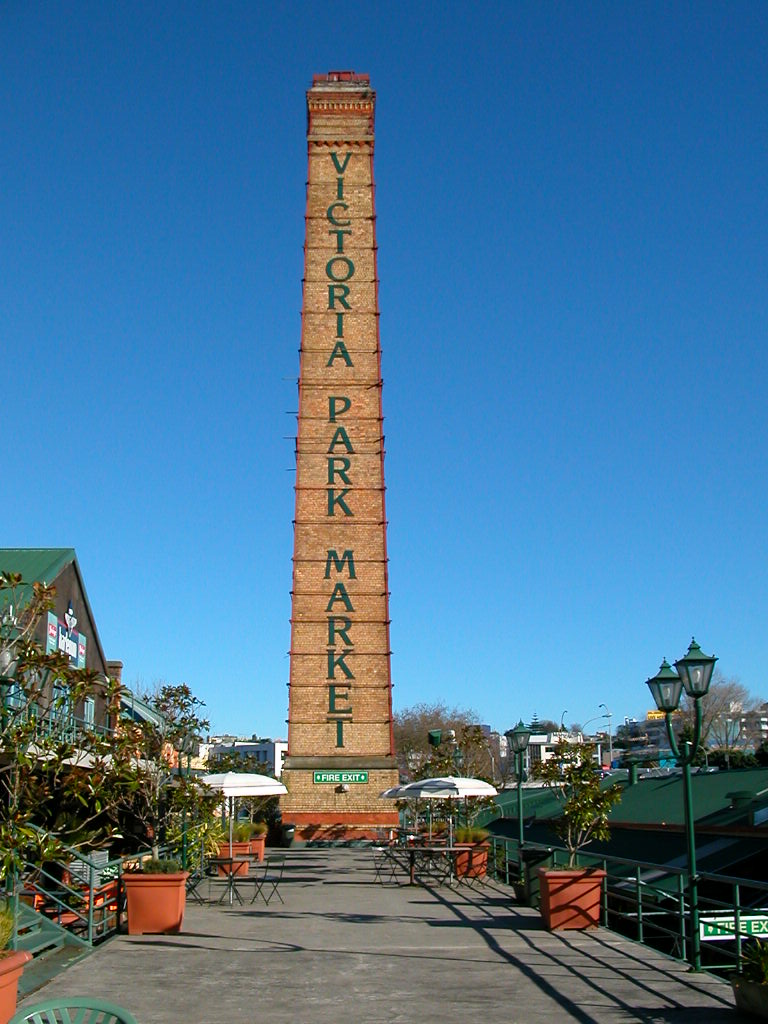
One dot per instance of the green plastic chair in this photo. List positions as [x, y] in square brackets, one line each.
[76, 1010]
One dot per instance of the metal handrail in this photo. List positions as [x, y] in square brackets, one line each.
[638, 906]
[91, 910]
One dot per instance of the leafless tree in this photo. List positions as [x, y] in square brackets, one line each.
[726, 712]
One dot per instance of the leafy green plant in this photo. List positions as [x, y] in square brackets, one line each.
[46, 799]
[755, 962]
[145, 755]
[260, 828]
[156, 866]
[204, 836]
[470, 835]
[6, 925]
[571, 776]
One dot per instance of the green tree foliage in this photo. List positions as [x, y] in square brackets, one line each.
[148, 761]
[55, 786]
[585, 805]
[416, 758]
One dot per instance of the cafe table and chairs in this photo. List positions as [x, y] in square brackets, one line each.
[232, 870]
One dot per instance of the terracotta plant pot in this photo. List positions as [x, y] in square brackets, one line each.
[750, 996]
[472, 860]
[155, 902]
[11, 966]
[571, 898]
[257, 845]
[239, 849]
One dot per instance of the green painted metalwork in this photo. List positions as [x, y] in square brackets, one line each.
[73, 1010]
[648, 902]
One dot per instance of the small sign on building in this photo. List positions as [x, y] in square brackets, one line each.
[723, 927]
[339, 778]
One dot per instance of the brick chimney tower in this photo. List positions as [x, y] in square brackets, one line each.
[340, 744]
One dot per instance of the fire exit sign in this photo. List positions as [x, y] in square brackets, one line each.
[338, 778]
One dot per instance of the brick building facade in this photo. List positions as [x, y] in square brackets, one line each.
[340, 744]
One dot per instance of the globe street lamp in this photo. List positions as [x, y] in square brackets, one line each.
[518, 739]
[694, 674]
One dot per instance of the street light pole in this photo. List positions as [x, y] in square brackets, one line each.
[518, 739]
[694, 672]
[609, 715]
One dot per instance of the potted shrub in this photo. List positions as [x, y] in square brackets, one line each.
[570, 896]
[258, 839]
[471, 862]
[11, 965]
[156, 895]
[750, 988]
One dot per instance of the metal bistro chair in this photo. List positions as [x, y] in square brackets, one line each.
[384, 865]
[267, 884]
[73, 1010]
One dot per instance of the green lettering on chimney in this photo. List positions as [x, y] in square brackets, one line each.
[338, 467]
[337, 661]
[340, 594]
[340, 167]
[340, 268]
[336, 693]
[333, 410]
[341, 437]
[338, 292]
[347, 559]
[335, 499]
[340, 352]
[339, 627]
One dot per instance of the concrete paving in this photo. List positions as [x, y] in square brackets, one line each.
[346, 948]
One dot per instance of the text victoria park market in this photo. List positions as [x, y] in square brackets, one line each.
[339, 270]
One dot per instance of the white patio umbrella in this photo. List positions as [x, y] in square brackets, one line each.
[444, 788]
[234, 784]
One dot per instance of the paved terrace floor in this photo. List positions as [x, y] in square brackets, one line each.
[344, 948]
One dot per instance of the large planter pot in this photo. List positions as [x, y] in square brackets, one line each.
[571, 898]
[11, 966]
[239, 849]
[751, 997]
[257, 845]
[155, 902]
[471, 860]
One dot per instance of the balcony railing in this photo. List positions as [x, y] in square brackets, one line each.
[649, 902]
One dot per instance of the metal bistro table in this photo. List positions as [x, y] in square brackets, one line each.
[432, 863]
[233, 869]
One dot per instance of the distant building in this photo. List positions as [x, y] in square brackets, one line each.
[268, 752]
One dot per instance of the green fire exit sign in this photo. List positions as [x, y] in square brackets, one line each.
[338, 778]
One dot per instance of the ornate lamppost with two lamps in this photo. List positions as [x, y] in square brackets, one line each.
[694, 674]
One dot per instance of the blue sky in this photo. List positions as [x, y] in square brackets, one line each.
[572, 223]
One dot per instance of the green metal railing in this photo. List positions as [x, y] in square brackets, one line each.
[649, 902]
[82, 894]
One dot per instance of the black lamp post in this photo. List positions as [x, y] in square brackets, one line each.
[518, 739]
[694, 674]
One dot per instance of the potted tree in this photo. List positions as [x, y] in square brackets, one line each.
[472, 861]
[750, 988]
[258, 839]
[11, 964]
[570, 896]
[147, 752]
[155, 892]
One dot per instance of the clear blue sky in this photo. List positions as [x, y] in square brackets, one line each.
[573, 233]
